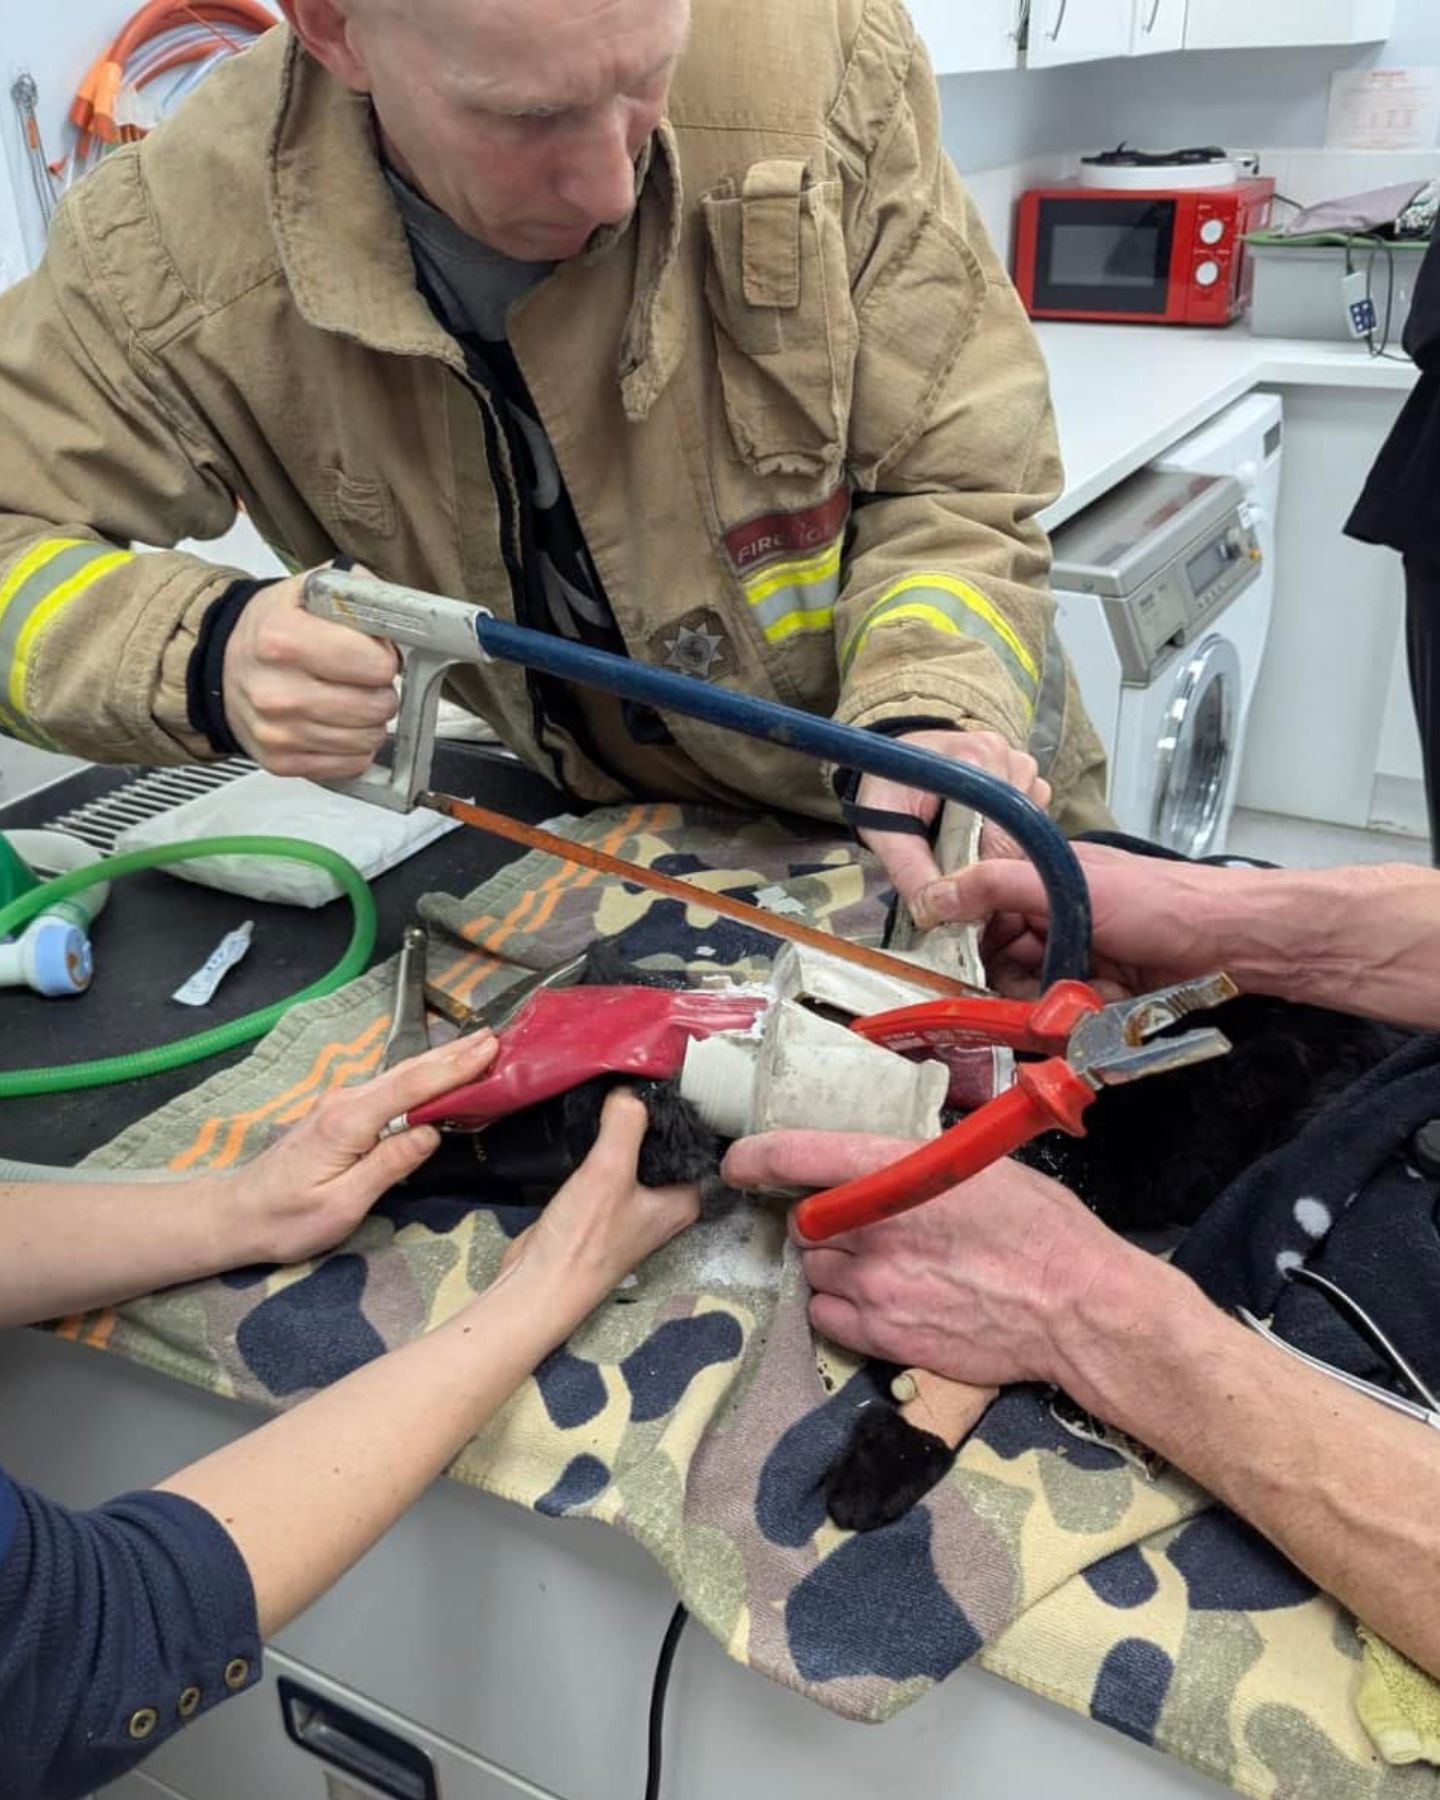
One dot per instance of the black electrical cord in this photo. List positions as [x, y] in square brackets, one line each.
[658, 1690]
[1380, 350]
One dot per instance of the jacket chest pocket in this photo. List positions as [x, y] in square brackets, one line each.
[778, 290]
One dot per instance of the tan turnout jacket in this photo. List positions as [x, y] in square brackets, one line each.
[798, 407]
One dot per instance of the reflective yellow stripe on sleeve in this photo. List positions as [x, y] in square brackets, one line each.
[41, 584]
[957, 609]
[796, 595]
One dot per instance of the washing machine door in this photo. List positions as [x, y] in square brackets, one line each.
[1196, 753]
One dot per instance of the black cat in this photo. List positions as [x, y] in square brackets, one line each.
[1156, 1154]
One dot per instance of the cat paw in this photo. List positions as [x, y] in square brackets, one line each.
[886, 1467]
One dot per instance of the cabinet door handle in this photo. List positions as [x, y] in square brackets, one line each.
[1154, 15]
[357, 1747]
[1063, 8]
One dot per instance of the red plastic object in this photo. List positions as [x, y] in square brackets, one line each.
[1043, 1026]
[566, 1036]
[1047, 1096]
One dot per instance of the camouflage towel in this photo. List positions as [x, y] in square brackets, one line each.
[690, 1412]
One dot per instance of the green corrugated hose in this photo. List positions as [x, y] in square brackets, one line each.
[195, 1048]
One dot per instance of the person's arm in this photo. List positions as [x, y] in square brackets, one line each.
[943, 611]
[1010, 1279]
[308, 1494]
[67, 1247]
[105, 649]
[117, 1626]
[1360, 940]
[1348, 1489]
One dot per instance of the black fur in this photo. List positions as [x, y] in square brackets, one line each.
[886, 1467]
[679, 1146]
[606, 967]
[1159, 1151]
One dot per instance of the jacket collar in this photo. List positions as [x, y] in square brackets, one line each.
[347, 260]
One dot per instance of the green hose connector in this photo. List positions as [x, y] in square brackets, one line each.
[131, 1066]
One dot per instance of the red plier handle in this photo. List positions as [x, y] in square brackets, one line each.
[1044, 1026]
[1046, 1096]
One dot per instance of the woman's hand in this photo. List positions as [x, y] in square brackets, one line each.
[310, 1190]
[602, 1222]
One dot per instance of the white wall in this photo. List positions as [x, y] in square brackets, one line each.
[1242, 99]
[1417, 34]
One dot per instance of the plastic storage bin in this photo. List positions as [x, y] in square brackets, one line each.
[1299, 292]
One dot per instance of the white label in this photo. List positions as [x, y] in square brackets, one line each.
[199, 990]
[1384, 109]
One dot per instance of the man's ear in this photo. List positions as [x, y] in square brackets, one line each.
[324, 27]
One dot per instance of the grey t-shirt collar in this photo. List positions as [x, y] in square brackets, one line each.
[474, 285]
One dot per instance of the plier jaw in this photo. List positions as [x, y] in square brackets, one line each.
[1086, 1044]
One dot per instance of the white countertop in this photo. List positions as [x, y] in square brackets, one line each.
[1124, 393]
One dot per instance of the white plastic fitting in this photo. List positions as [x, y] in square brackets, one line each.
[806, 1073]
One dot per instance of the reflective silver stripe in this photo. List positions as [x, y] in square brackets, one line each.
[1049, 722]
[952, 607]
[39, 585]
[796, 594]
[36, 586]
[803, 607]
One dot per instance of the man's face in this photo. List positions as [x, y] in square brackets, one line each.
[520, 119]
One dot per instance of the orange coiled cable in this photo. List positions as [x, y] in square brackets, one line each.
[92, 111]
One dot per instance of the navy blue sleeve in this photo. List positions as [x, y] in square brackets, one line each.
[117, 1627]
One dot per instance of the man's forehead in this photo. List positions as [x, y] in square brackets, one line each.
[544, 53]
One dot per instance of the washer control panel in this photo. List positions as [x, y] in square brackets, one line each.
[1165, 553]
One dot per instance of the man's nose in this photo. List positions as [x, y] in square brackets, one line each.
[600, 180]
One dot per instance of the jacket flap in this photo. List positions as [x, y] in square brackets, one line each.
[339, 231]
[771, 233]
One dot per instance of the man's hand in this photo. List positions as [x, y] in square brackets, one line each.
[602, 1223]
[311, 1189]
[305, 696]
[1156, 921]
[983, 1284]
[908, 860]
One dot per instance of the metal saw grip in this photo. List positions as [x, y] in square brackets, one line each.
[432, 634]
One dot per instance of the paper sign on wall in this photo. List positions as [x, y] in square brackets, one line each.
[1384, 109]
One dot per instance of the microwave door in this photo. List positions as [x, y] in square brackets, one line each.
[1105, 258]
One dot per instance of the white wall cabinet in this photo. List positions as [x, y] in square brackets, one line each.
[1159, 26]
[1067, 31]
[1257, 24]
[965, 39]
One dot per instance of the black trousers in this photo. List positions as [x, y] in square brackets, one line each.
[1422, 639]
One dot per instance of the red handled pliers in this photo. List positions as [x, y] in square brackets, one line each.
[1087, 1045]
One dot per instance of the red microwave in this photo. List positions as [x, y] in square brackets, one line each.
[1159, 256]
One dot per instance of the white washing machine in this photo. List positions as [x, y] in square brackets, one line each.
[1165, 589]
[1246, 441]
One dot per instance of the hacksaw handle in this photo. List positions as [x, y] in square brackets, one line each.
[432, 633]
